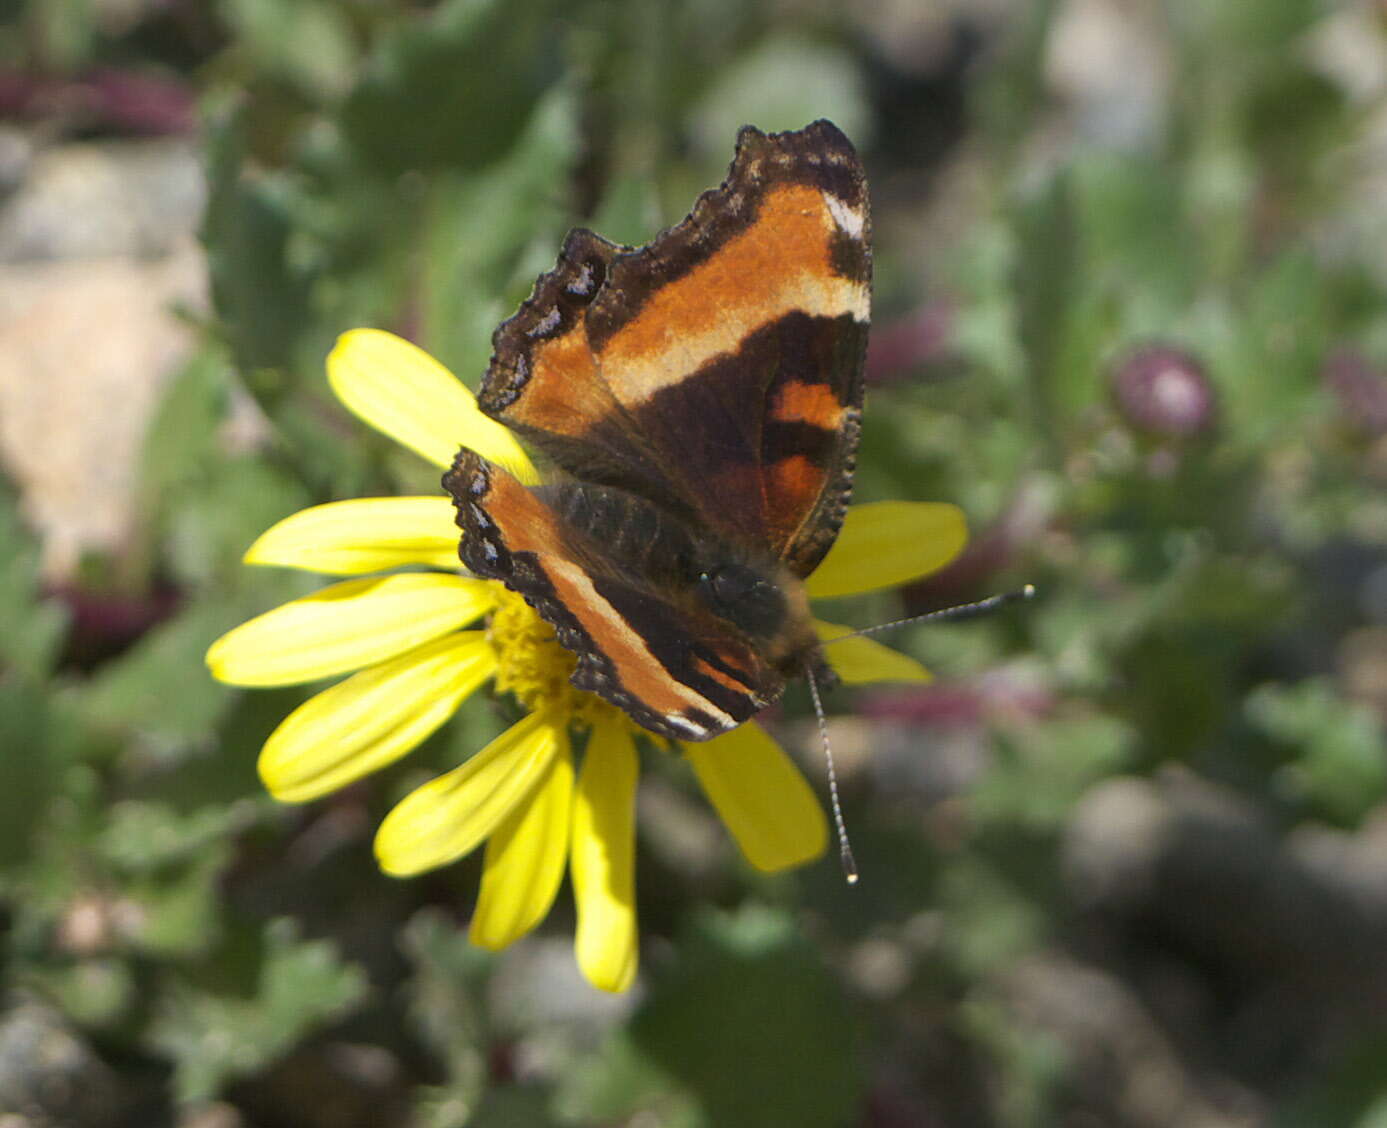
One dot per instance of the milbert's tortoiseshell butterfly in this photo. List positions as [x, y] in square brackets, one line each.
[699, 399]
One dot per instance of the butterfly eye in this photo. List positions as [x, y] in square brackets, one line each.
[732, 584]
[744, 596]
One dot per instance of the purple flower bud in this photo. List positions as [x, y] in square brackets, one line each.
[124, 100]
[142, 104]
[1360, 389]
[1164, 391]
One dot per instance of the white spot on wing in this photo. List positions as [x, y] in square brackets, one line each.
[687, 727]
[849, 219]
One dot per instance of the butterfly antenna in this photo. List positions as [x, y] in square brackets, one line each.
[962, 611]
[844, 846]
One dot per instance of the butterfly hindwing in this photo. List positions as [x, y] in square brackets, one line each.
[617, 580]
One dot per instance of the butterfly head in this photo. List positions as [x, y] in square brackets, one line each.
[744, 596]
[768, 604]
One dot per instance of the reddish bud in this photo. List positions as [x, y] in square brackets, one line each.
[1164, 391]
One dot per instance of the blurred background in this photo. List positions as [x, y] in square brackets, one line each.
[1125, 862]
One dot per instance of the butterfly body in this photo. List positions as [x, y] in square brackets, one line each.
[698, 400]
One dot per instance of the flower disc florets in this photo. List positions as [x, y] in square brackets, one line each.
[535, 669]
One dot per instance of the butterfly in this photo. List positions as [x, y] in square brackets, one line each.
[698, 402]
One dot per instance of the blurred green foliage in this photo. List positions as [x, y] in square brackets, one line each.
[1213, 616]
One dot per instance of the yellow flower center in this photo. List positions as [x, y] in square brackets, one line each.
[534, 668]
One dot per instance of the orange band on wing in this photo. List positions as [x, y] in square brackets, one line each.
[780, 264]
[563, 393]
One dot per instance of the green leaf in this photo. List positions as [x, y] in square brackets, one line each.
[1271, 368]
[142, 836]
[785, 82]
[65, 33]
[1042, 769]
[1271, 26]
[515, 1106]
[450, 88]
[1031, 1065]
[1339, 764]
[183, 432]
[1347, 1090]
[621, 1084]
[753, 1026]
[161, 687]
[178, 913]
[307, 43]
[488, 234]
[992, 919]
[212, 1039]
[1047, 277]
[212, 523]
[92, 992]
[31, 628]
[442, 1008]
[32, 771]
[260, 293]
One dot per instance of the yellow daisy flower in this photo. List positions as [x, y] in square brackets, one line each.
[410, 643]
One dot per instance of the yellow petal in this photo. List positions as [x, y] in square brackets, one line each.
[449, 816]
[861, 660]
[369, 534]
[347, 626]
[762, 797]
[888, 543]
[373, 718]
[403, 392]
[603, 859]
[525, 858]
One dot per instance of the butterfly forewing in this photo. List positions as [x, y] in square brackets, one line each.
[718, 370]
